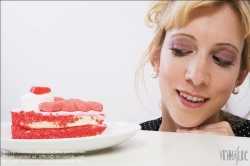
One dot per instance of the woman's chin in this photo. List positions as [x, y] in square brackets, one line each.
[186, 127]
[186, 124]
[188, 120]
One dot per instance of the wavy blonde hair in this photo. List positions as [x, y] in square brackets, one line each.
[163, 15]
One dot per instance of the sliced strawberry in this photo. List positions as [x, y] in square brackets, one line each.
[67, 105]
[49, 106]
[39, 90]
[58, 98]
[95, 106]
[81, 105]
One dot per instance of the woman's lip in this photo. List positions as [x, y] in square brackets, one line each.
[190, 104]
[191, 94]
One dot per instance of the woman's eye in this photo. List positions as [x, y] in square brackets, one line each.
[179, 52]
[222, 62]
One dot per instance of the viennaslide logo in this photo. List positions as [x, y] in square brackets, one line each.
[234, 155]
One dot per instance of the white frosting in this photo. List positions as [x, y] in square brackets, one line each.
[31, 101]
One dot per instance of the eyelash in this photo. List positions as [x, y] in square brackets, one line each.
[222, 62]
[179, 52]
[219, 61]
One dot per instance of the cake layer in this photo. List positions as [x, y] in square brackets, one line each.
[19, 132]
[31, 119]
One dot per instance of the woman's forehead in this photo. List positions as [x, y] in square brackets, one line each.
[219, 25]
[182, 12]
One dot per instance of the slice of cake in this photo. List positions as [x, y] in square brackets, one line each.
[43, 116]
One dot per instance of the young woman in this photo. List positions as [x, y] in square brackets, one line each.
[201, 54]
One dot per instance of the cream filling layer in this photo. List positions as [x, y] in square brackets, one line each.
[82, 120]
[75, 113]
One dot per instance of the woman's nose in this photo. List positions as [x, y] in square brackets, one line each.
[198, 72]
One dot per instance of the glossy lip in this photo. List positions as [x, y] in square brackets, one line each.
[188, 103]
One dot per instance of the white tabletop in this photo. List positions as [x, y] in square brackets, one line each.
[149, 148]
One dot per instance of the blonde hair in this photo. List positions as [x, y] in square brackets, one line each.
[163, 15]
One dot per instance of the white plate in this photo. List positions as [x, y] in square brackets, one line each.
[116, 133]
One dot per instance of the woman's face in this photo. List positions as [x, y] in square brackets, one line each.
[200, 64]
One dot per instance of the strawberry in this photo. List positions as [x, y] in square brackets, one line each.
[39, 90]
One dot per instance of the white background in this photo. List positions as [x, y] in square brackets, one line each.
[85, 50]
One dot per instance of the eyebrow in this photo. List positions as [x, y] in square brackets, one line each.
[227, 44]
[184, 34]
[217, 44]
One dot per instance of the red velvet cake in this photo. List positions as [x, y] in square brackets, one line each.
[43, 116]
